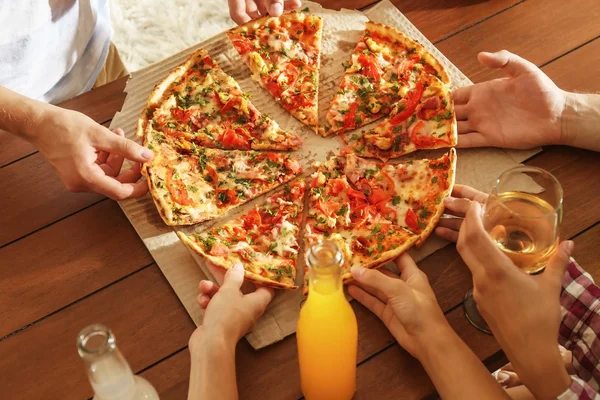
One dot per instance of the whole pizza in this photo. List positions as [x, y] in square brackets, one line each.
[215, 151]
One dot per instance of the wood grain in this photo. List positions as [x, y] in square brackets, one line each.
[99, 104]
[143, 312]
[540, 31]
[79, 255]
[34, 197]
[566, 72]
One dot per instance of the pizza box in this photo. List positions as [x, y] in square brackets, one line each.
[342, 30]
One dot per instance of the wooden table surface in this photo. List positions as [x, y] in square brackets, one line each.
[68, 260]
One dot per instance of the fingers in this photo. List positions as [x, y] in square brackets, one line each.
[467, 140]
[110, 187]
[457, 206]
[291, 4]
[476, 247]
[451, 223]
[263, 6]
[131, 175]
[467, 192]
[276, 8]
[376, 281]
[252, 9]
[375, 305]
[208, 288]
[510, 63]
[463, 127]
[462, 114]
[446, 233]
[237, 11]
[203, 301]
[259, 300]
[560, 260]
[406, 266]
[508, 378]
[461, 95]
[217, 272]
[116, 144]
[234, 277]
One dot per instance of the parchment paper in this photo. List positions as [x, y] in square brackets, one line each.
[342, 30]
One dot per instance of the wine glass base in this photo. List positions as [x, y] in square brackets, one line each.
[473, 315]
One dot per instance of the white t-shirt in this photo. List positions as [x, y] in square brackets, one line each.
[52, 50]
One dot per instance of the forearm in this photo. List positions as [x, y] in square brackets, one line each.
[21, 115]
[455, 370]
[212, 374]
[580, 121]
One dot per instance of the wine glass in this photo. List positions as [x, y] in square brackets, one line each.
[522, 215]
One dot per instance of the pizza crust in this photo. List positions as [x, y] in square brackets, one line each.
[440, 208]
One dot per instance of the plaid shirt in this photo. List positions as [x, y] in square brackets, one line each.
[580, 332]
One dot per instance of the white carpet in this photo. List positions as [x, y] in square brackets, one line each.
[146, 31]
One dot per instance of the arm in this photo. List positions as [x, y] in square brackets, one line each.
[580, 120]
[85, 155]
[228, 316]
[409, 309]
[242, 11]
[212, 374]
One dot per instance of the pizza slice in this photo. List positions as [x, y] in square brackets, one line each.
[385, 67]
[337, 211]
[409, 194]
[423, 119]
[283, 54]
[265, 240]
[191, 188]
[201, 105]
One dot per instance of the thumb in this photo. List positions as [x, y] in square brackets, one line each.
[375, 280]
[234, 277]
[510, 63]
[259, 299]
[116, 144]
[560, 260]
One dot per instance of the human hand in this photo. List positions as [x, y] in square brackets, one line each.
[242, 11]
[523, 311]
[228, 313]
[457, 206]
[87, 157]
[406, 304]
[520, 111]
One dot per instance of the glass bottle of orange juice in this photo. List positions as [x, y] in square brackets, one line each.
[327, 332]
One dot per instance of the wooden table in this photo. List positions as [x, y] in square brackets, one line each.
[68, 260]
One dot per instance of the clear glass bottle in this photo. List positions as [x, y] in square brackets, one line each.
[108, 371]
[327, 331]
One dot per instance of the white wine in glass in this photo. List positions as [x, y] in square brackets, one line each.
[522, 216]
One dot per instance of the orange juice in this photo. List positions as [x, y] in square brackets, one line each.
[327, 332]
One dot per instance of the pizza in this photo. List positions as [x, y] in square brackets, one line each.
[423, 119]
[204, 184]
[384, 68]
[409, 194]
[339, 212]
[283, 54]
[265, 240]
[198, 104]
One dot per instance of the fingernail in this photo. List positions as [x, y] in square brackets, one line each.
[357, 272]
[276, 9]
[238, 266]
[569, 246]
[146, 153]
[502, 377]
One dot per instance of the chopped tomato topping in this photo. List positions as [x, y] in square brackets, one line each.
[211, 176]
[412, 221]
[423, 141]
[242, 45]
[388, 213]
[364, 186]
[235, 140]
[337, 186]
[410, 103]
[218, 249]
[350, 120]
[177, 189]
[379, 196]
[369, 67]
[329, 209]
[360, 215]
[252, 219]
[361, 245]
[293, 165]
[355, 193]
[181, 115]
[231, 104]
[245, 254]
[226, 196]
